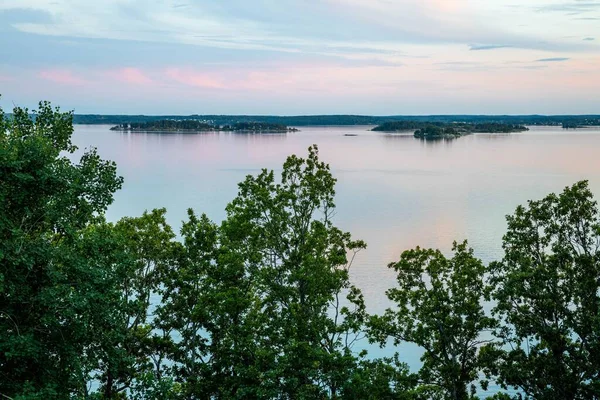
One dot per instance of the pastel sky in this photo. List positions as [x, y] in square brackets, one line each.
[285, 57]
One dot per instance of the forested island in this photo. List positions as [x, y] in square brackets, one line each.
[191, 125]
[437, 130]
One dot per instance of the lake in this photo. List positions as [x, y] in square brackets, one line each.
[394, 191]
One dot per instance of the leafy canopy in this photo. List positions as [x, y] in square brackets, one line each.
[439, 307]
[547, 289]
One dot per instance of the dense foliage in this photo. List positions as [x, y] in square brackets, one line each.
[439, 307]
[573, 125]
[434, 130]
[191, 125]
[262, 305]
[399, 126]
[257, 127]
[52, 294]
[547, 289]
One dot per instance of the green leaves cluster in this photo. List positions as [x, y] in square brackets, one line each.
[50, 291]
[547, 289]
[439, 308]
[262, 306]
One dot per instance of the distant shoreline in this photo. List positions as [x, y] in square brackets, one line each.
[344, 120]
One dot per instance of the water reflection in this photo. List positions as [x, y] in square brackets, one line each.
[495, 136]
[433, 142]
[398, 135]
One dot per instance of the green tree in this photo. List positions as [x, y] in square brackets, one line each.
[49, 329]
[314, 314]
[210, 311]
[386, 378]
[439, 307]
[548, 296]
[262, 306]
[143, 248]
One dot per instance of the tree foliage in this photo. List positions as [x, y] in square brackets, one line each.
[439, 308]
[262, 305]
[49, 291]
[548, 296]
[75, 290]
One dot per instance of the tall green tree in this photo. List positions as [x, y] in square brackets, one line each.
[211, 314]
[439, 307]
[548, 297]
[300, 261]
[262, 306]
[144, 247]
[48, 294]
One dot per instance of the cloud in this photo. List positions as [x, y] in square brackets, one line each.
[589, 39]
[534, 67]
[573, 8]
[64, 77]
[457, 63]
[294, 54]
[190, 77]
[90, 77]
[329, 27]
[553, 59]
[463, 66]
[478, 47]
[132, 75]
[301, 88]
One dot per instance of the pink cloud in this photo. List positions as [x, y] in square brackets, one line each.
[194, 78]
[287, 79]
[61, 76]
[133, 75]
[417, 84]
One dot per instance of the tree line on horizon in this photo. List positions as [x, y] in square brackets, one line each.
[262, 305]
[325, 120]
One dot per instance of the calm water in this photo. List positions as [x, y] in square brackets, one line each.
[394, 191]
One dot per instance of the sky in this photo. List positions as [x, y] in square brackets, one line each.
[291, 57]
